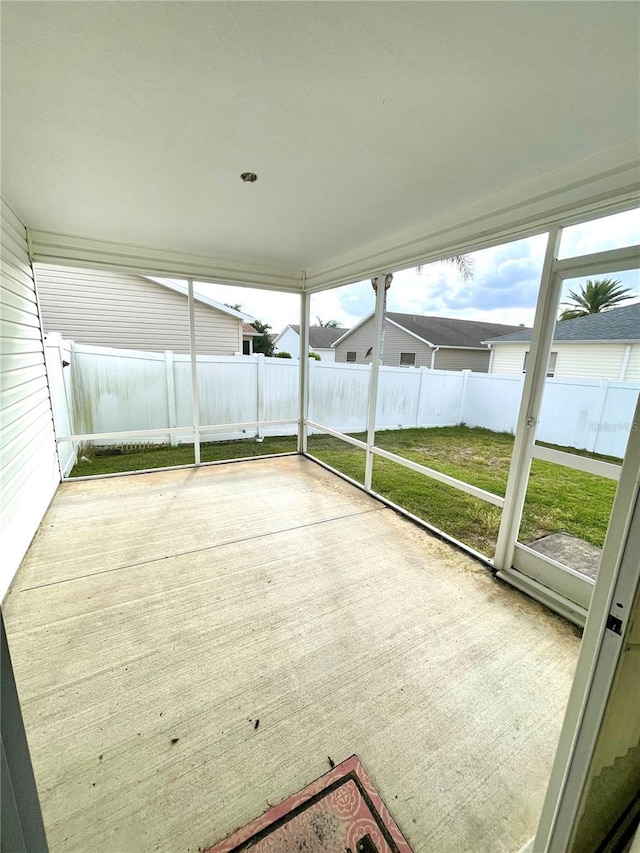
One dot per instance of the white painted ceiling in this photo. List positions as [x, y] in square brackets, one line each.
[132, 121]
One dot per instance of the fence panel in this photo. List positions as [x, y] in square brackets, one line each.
[113, 390]
[338, 395]
[117, 389]
[441, 396]
[398, 397]
[280, 392]
[228, 392]
[492, 401]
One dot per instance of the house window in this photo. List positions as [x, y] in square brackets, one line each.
[407, 359]
[246, 347]
[551, 366]
[351, 356]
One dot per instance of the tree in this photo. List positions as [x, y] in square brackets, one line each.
[264, 342]
[596, 296]
[328, 324]
[464, 264]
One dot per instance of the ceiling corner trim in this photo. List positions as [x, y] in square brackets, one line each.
[597, 186]
[48, 247]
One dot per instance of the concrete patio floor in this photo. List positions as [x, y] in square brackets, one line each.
[157, 617]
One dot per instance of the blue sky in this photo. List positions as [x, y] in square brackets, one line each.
[504, 288]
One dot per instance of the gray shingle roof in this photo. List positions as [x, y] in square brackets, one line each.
[322, 336]
[448, 331]
[617, 324]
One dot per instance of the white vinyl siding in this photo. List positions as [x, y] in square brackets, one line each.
[632, 373]
[575, 361]
[326, 354]
[508, 358]
[29, 472]
[551, 364]
[114, 309]
[448, 358]
[289, 342]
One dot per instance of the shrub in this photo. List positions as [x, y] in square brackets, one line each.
[283, 355]
[315, 355]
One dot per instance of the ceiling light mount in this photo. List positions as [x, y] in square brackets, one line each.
[249, 177]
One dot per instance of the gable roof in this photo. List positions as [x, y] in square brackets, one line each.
[443, 331]
[321, 337]
[617, 324]
[183, 289]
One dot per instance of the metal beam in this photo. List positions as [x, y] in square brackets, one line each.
[612, 260]
[48, 247]
[543, 328]
[303, 398]
[195, 391]
[381, 287]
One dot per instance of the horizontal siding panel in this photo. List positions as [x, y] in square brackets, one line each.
[14, 365]
[20, 410]
[12, 258]
[396, 341]
[22, 318]
[27, 336]
[462, 359]
[508, 359]
[13, 241]
[10, 222]
[18, 282]
[28, 461]
[127, 311]
[589, 361]
[25, 303]
[575, 361]
[31, 413]
[632, 373]
[9, 396]
[29, 467]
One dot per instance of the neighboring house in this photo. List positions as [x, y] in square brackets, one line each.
[114, 309]
[248, 334]
[411, 340]
[598, 346]
[321, 340]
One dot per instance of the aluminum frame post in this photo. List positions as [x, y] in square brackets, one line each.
[195, 391]
[543, 329]
[381, 286]
[305, 309]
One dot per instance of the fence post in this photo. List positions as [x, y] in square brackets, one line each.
[463, 395]
[423, 371]
[599, 407]
[259, 393]
[171, 395]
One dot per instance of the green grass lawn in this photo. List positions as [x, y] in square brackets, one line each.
[558, 499]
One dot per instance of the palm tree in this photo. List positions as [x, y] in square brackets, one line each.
[594, 297]
[464, 264]
[328, 324]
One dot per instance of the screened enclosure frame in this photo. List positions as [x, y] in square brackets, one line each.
[562, 589]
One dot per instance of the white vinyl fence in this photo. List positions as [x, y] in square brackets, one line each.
[116, 390]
